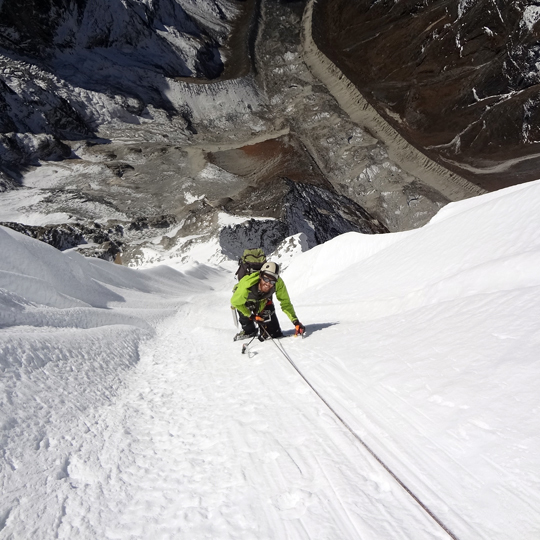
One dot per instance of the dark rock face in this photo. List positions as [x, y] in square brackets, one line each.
[154, 222]
[318, 212]
[127, 32]
[459, 80]
[30, 103]
[266, 234]
[322, 214]
[65, 236]
[34, 118]
[68, 66]
[106, 241]
[29, 149]
[6, 182]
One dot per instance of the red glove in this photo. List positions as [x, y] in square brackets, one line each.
[300, 328]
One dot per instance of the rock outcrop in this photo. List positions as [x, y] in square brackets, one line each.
[319, 213]
[102, 241]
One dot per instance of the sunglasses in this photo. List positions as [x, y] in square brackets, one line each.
[268, 280]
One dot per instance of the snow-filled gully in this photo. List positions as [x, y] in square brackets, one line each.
[206, 443]
[127, 412]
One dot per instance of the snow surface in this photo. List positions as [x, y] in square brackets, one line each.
[20, 206]
[531, 15]
[127, 411]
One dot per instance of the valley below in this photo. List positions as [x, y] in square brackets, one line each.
[272, 137]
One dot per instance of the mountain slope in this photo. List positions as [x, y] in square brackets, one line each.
[128, 411]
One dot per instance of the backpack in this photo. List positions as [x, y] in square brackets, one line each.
[251, 261]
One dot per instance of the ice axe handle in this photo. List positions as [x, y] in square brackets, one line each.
[235, 316]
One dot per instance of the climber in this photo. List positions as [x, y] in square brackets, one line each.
[252, 298]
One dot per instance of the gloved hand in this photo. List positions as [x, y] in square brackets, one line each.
[256, 318]
[300, 328]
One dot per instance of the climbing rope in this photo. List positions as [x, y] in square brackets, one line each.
[282, 350]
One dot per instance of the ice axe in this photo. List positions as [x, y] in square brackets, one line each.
[260, 321]
[235, 316]
[246, 345]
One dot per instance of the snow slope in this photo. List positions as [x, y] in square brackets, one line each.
[128, 412]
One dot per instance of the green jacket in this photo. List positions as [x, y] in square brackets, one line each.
[246, 294]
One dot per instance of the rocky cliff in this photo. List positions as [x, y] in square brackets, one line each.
[458, 79]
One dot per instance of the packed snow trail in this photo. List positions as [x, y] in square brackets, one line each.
[206, 443]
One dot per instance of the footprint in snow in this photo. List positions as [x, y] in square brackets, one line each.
[293, 504]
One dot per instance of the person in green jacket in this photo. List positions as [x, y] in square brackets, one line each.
[253, 299]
